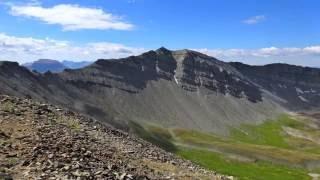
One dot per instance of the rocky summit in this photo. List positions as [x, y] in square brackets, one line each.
[41, 141]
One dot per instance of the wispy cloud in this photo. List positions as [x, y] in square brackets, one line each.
[263, 52]
[307, 56]
[24, 49]
[72, 17]
[254, 19]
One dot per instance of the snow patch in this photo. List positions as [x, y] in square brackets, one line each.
[303, 99]
[299, 91]
[201, 82]
[157, 68]
[282, 86]
[237, 79]
[175, 79]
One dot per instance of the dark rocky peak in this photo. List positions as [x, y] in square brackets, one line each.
[163, 50]
[130, 74]
[9, 67]
[188, 69]
[8, 64]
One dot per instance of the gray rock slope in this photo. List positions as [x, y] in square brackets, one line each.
[183, 89]
[298, 87]
[41, 141]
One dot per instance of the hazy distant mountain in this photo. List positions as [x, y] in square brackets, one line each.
[45, 65]
[75, 65]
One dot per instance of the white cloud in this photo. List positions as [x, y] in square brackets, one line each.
[263, 52]
[312, 49]
[301, 56]
[25, 49]
[106, 48]
[72, 17]
[254, 19]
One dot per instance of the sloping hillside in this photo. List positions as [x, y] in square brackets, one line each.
[40, 141]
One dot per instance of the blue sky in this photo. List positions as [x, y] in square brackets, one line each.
[254, 32]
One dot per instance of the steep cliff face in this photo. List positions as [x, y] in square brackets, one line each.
[183, 89]
[188, 69]
[196, 70]
[298, 87]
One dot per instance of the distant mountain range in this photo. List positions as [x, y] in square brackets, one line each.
[45, 65]
[181, 88]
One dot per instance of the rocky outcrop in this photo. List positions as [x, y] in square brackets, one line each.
[298, 87]
[188, 69]
[41, 141]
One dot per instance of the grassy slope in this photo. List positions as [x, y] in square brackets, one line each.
[243, 170]
[268, 133]
[262, 152]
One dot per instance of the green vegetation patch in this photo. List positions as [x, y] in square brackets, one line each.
[244, 170]
[255, 151]
[264, 151]
[268, 133]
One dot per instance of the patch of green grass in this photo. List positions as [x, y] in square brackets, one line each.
[195, 136]
[286, 120]
[244, 170]
[263, 142]
[268, 133]
[263, 151]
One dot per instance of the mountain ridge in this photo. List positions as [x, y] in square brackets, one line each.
[182, 88]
